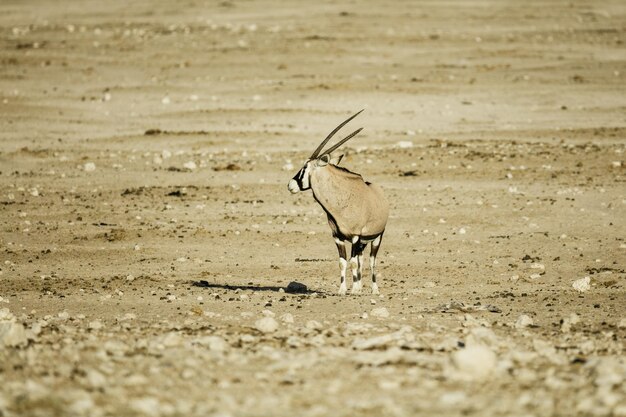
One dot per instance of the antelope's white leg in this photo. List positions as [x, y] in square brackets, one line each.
[373, 253]
[343, 265]
[354, 264]
[357, 265]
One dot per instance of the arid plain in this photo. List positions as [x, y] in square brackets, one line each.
[148, 238]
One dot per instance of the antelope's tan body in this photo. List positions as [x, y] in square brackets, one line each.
[358, 208]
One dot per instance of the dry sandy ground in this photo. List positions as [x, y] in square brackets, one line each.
[146, 226]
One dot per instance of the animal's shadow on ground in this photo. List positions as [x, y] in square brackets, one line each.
[292, 288]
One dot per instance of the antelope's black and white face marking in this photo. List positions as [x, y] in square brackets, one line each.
[301, 181]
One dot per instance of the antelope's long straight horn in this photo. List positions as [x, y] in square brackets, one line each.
[325, 141]
[342, 141]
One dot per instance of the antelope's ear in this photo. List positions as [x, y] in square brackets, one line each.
[323, 160]
[335, 160]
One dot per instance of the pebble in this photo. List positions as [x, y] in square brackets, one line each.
[568, 322]
[148, 406]
[314, 325]
[380, 312]
[523, 321]
[482, 336]
[95, 325]
[383, 341]
[12, 334]
[266, 325]
[582, 285]
[452, 398]
[287, 318]
[474, 362]
[296, 287]
[95, 379]
[169, 340]
[213, 343]
[190, 165]
[89, 167]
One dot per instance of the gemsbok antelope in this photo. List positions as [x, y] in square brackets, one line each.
[357, 210]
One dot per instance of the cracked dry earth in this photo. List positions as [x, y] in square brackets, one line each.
[151, 254]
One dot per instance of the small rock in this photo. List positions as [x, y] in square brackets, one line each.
[296, 287]
[287, 318]
[404, 144]
[95, 325]
[214, 343]
[474, 362]
[384, 341]
[380, 312]
[523, 321]
[582, 285]
[170, 340]
[12, 333]
[452, 398]
[95, 379]
[148, 406]
[89, 167]
[314, 325]
[609, 372]
[190, 165]
[266, 325]
[482, 336]
[548, 351]
[622, 323]
[568, 322]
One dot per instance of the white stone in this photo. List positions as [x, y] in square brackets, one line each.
[570, 321]
[214, 343]
[287, 318]
[404, 144]
[95, 379]
[12, 334]
[95, 325]
[582, 285]
[89, 167]
[523, 321]
[380, 312]
[171, 339]
[148, 406]
[313, 325]
[190, 165]
[266, 325]
[474, 362]
[481, 336]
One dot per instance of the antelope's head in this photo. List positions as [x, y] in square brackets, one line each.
[301, 181]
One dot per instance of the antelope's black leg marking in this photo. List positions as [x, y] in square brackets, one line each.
[343, 264]
[356, 259]
[375, 246]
